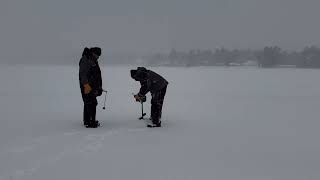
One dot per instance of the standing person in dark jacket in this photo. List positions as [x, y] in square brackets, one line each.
[90, 84]
[157, 86]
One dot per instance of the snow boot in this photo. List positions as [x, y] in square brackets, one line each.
[95, 124]
[152, 124]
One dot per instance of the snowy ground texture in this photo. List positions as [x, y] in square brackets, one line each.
[219, 123]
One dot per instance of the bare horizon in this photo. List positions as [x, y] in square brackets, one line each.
[57, 29]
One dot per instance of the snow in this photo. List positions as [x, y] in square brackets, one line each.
[237, 123]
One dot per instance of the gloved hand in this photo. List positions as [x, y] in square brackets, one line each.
[87, 88]
[140, 98]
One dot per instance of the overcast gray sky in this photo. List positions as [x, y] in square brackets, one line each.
[40, 29]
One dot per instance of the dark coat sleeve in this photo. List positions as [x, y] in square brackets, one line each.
[145, 87]
[151, 82]
[83, 70]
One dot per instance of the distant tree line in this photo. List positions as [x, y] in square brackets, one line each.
[268, 57]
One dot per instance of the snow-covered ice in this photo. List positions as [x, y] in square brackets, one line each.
[218, 123]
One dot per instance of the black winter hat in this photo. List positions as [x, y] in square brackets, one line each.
[96, 50]
[85, 51]
[139, 74]
[133, 73]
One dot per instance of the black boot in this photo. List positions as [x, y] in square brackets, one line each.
[154, 125]
[94, 124]
[151, 123]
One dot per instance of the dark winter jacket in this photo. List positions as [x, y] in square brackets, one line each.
[89, 72]
[149, 80]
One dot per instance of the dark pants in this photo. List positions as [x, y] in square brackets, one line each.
[156, 104]
[89, 109]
